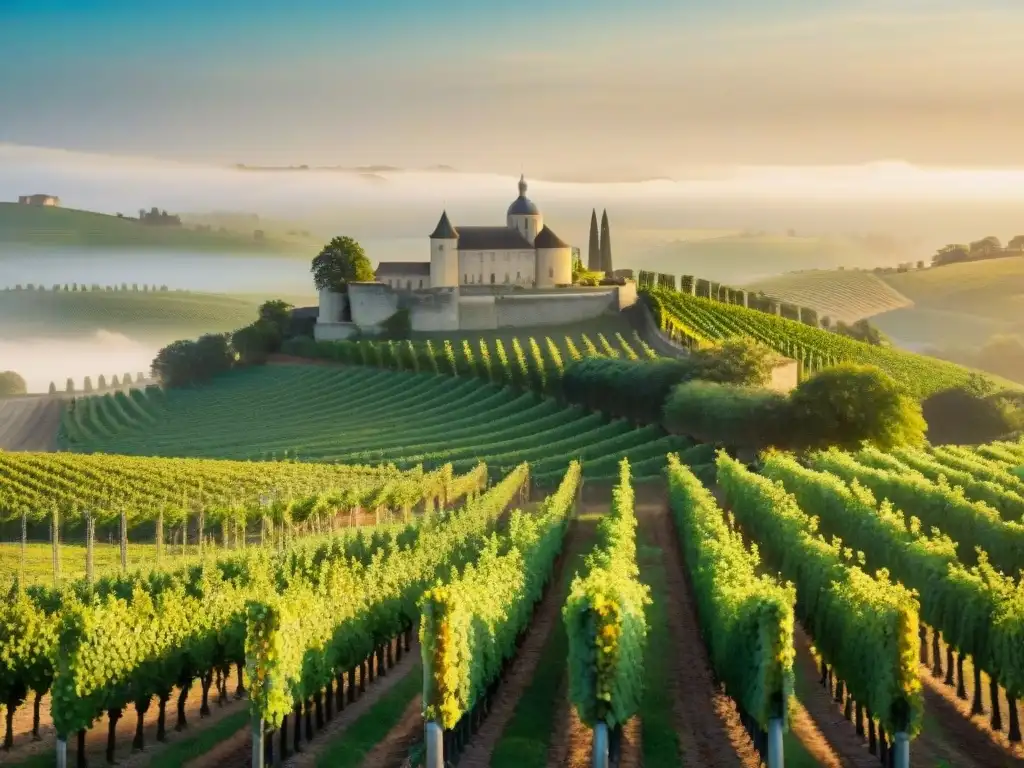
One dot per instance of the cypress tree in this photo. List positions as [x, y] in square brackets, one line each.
[606, 245]
[594, 250]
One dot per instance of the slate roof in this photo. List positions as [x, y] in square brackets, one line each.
[548, 239]
[523, 206]
[492, 239]
[444, 229]
[403, 268]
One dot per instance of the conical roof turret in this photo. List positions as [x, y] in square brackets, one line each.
[444, 229]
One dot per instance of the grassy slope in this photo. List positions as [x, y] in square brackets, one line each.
[958, 305]
[846, 295]
[23, 224]
[141, 315]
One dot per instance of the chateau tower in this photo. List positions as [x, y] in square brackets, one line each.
[524, 215]
[444, 254]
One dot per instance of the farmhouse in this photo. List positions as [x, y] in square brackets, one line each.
[39, 200]
[524, 252]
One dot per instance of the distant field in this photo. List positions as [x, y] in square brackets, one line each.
[137, 314]
[738, 259]
[992, 289]
[846, 295]
[32, 225]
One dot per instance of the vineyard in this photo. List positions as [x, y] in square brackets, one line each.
[367, 415]
[366, 613]
[842, 295]
[699, 321]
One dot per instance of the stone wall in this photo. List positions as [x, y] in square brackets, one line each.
[434, 309]
[555, 309]
[477, 313]
[334, 331]
[784, 376]
[372, 304]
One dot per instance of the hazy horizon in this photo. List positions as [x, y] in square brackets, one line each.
[592, 89]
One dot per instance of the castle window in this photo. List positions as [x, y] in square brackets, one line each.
[551, 271]
[465, 277]
[506, 278]
[518, 277]
[421, 282]
[492, 278]
[440, 246]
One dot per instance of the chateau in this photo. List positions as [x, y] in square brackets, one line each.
[523, 253]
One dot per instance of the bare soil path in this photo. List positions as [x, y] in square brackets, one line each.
[96, 737]
[520, 673]
[706, 721]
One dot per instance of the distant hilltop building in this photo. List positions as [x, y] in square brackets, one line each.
[42, 200]
[523, 253]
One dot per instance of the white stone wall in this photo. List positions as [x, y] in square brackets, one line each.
[554, 267]
[332, 305]
[403, 282]
[435, 310]
[509, 267]
[444, 263]
[372, 304]
[553, 309]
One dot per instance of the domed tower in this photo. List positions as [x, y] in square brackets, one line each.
[524, 215]
[554, 260]
[444, 254]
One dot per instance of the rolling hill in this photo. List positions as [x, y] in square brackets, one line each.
[31, 225]
[846, 295]
[144, 315]
[737, 258]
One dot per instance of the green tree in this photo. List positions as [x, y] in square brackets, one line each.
[1016, 243]
[594, 248]
[951, 254]
[849, 405]
[342, 261]
[606, 246]
[11, 384]
[741, 361]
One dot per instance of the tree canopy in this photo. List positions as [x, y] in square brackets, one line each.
[11, 383]
[340, 262]
[848, 405]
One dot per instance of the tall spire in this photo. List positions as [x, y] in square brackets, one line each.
[594, 248]
[522, 185]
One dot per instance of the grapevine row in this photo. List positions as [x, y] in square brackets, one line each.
[979, 612]
[971, 524]
[864, 627]
[605, 619]
[746, 619]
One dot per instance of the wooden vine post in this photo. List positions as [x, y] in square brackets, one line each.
[776, 725]
[600, 750]
[90, 546]
[124, 540]
[435, 744]
[258, 759]
[55, 544]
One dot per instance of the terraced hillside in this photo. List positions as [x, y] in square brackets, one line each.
[362, 415]
[843, 295]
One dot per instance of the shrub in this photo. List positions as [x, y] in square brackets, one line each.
[847, 405]
[963, 417]
[11, 383]
[734, 361]
[623, 388]
[726, 414]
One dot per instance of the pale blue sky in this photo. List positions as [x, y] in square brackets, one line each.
[574, 87]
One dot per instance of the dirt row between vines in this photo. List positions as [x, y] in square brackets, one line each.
[948, 737]
[96, 737]
[236, 752]
[521, 671]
